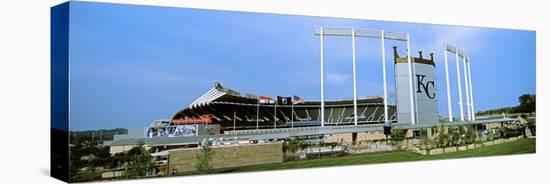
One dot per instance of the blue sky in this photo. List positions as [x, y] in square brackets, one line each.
[132, 64]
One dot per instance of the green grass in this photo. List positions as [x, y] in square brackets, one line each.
[517, 147]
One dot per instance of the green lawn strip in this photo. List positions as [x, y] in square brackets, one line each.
[516, 147]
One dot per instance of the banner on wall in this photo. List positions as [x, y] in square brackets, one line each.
[172, 131]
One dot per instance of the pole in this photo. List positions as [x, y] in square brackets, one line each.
[471, 93]
[459, 87]
[411, 100]
[258, 116]
[386, 118]
[292, 115]
[234, 121]
[354, 81]
[275, 116]
[415, 96]
[466, 85]
[449, 106]
[322, 80]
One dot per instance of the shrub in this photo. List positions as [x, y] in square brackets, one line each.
[442, 136]
[470, 135]
[204, 158]
[140, 161]
[398, 134]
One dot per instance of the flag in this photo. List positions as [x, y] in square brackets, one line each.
[297, 100]
[283, 100]
[265, 100]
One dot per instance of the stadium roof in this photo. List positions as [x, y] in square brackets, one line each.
[219, 93]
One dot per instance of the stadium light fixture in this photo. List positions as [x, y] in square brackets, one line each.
[473, 115]
[386, 118]
[321, 33]
[354, 79]
[467, 83]
[411, 96]
[366, 33]
[449, 106]
[466, 88]
[459, 86]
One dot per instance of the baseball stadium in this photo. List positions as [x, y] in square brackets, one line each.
[249, 129]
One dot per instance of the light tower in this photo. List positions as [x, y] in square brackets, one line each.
[467, 83]
[366, 33]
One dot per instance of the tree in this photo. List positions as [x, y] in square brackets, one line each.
[461, 132]
[140, 161]
[293, 145]
[527, 103]
[118, 159]
[398, 134]
[470, 136]
[425, 142]
[532, 127]
[333, 145]
[204, 158]
[454, 136]
[442, 137]
[103, 158]
[501, 132]
[434, 130]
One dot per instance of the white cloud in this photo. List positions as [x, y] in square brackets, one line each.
[337, 78]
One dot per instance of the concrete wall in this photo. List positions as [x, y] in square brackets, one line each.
[361, 136]
[490, 126]
[183, 160]
[118, 149]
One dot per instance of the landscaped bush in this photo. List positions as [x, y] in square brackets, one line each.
[442, 137]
